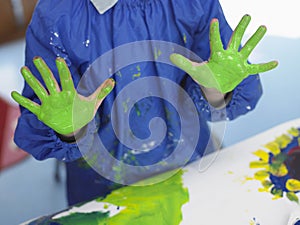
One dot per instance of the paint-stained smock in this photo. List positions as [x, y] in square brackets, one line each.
[77, 32]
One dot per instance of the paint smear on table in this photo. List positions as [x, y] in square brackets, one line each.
[278, 166]
[155, 204]
[159, 203]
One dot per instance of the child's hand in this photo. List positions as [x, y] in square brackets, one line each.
[225, 69]
[62, 109]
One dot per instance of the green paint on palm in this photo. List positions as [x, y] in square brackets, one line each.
[62, 109]
[226, 68]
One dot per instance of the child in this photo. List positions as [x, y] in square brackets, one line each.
[81, 32]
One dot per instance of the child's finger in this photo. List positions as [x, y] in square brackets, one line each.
[239, 32]
[47, 75]
[104, 89]
[65, 75]
[26, 103]
[183, 63]
[215, 37]
[253, 41]
[36, 86]
[262, 67]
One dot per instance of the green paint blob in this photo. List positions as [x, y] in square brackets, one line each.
[157, 53]
[93, 218]
[156, 204]
[138, 74]
[184, 38]
[137, 110]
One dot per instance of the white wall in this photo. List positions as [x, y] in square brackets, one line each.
[281, 17]
[11, 61]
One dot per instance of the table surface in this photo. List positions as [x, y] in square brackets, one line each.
[223, 194]
[220, 191]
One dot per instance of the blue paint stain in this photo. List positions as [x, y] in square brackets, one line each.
[297, 223]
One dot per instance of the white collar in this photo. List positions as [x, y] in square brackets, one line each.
[103, 5]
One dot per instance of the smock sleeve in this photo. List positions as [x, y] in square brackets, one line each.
[246, 95]
[31, 134]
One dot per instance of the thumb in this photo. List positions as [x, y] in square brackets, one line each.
[200, 72]
[184, 63]
[104, 89]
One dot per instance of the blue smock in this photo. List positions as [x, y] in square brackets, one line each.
[76, 31]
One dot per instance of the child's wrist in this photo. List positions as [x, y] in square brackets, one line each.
[215, 98]
[72, 137]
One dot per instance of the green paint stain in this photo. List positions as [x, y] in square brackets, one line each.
[292, 197]
[158, 203]
[125, 105]
[93, 218]
[168, 113]
[118, 173]
[133, 158]
[138, 74]
[157, 53]
[137, 110]
[278, 193]
[184, 38]
[82, 163]
[92, 160]
[105, 91]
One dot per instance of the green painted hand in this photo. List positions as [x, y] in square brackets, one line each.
[225, 69]
[62, 109]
